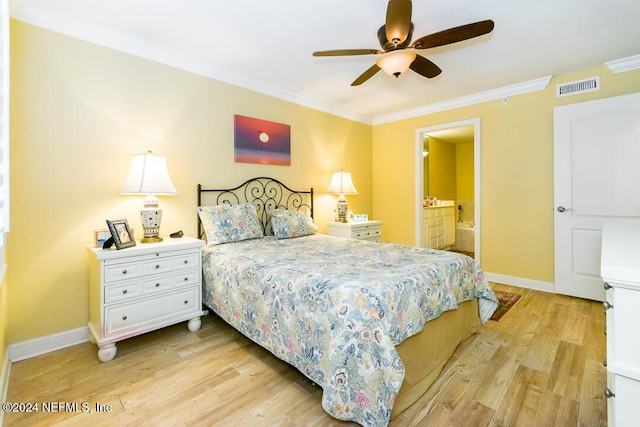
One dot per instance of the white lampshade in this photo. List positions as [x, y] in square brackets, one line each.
[396, 62]
[341, 183]
[148, 175]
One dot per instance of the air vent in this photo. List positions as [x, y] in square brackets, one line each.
[580, 86]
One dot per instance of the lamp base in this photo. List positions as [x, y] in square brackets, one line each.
[151, 216]
[151, 240]
[342, 211]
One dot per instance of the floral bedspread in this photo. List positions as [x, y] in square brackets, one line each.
[336, 308]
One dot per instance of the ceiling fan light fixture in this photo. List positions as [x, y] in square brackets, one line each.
[396, 62]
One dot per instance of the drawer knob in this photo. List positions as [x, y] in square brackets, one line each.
[606, 286]
[608, 393]
[186, 261]
[157, 285]
[124, 317]
[124, 271]
[186, 301]
[157, 265]
[124, 291]
[157, 253]
[186, 279]
[607, 305]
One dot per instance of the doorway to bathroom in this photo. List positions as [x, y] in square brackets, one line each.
[447, 160]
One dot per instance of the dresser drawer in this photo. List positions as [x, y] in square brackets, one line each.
[623, 351]
[137, 316]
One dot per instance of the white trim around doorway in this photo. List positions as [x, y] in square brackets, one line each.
[419, 182]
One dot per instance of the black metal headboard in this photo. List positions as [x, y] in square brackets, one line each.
[265, 193]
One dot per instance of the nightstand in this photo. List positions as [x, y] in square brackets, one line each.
[365, 230]
[143, 288]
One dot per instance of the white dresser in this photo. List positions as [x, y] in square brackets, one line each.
[364, 230]
[438, 227]
[143, 288]
[620, 270]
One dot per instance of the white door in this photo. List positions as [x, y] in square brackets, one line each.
[596, 176]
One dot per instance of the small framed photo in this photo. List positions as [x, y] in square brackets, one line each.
[101, 236]
[121, 233]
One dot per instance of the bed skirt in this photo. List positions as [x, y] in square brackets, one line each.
[426, 353]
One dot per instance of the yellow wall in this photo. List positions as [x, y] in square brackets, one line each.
[78, 113]
[516, 173]
[464, 171]
[3, 322]
[442, 169]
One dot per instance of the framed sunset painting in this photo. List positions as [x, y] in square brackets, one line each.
[261, 141]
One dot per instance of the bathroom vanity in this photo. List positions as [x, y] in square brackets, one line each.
[438, 227]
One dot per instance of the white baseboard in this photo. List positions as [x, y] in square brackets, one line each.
[520, 282]
[4, 381]
[35, 347]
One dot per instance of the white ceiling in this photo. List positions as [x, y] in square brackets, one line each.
[267, 45]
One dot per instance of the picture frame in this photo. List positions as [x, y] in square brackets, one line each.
[261, 141]
[121, 233]
[101, 236]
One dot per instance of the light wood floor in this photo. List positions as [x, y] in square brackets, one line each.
[540, 365]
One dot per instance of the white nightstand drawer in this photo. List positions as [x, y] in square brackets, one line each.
[187, 278]
[365, 230]
[155, 262]
[122, 291]
[366, 233]
[158, 284]
[188, 260]
[159, 265]
[129, 270]
[122, 318]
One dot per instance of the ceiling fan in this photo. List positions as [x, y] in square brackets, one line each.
[398, 53]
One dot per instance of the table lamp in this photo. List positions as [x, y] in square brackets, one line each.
[149, 175]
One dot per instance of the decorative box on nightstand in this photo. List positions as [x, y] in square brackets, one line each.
[139, 289]
[365, 230]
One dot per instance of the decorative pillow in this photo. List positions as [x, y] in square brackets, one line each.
[230, 223]
[288, 224]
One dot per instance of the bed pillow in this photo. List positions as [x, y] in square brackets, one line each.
[230, 223]
[288, 224]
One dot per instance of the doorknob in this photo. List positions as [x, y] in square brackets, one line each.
[562, 209]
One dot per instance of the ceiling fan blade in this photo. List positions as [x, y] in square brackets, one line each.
[398, 23]
[366, 75]
[346, 52]
[424, 67]
[453, 35]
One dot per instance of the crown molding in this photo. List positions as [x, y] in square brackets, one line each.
[51, 21]
[72, 28]
[624, 64]
[490, 95]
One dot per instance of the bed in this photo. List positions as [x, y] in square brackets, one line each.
[371, 323]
